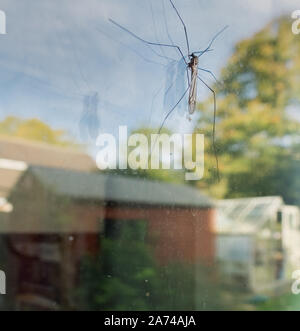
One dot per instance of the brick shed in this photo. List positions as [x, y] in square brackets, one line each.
[60, 215]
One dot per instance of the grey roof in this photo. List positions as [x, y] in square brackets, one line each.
[121, 189]
[8, 179]
[41, 154]
[37, 154]
[246, 215]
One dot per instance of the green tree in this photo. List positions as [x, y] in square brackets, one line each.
[256, 136]
[122, 276]
[167, 175]
[126, 276]
[34, 129]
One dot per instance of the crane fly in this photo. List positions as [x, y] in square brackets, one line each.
[193, 65]
[187, 65]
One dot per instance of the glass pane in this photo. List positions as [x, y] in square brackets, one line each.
[149, 155]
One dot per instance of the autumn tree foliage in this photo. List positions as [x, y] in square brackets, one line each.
[257, 130]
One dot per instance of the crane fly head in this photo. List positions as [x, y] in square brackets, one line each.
[194, 60]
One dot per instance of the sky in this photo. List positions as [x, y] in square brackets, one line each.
[56, 53]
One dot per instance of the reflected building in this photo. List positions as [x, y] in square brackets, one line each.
[60, 214]
[258, 243]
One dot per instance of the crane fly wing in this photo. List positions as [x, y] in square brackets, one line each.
[169, 96]
[176, 84]
[181, 85]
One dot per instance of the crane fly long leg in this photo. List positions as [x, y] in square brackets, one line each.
[166, 117]
[211, 42]
[156, 94]
[155, 29]
[214, 125]
[184, 27]
[132, 34]
[170, 112]
[211, 73]
[131, 49]
[166, 23]
[148, 42]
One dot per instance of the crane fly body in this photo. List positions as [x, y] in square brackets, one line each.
[193, 65]
[188, 65]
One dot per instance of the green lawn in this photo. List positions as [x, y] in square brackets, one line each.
[284, 302]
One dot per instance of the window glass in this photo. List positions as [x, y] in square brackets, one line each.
[146, 148]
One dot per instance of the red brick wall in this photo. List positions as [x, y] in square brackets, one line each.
[185, 235]
[176, 234]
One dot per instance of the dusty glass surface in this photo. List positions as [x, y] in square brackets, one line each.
[93, 215]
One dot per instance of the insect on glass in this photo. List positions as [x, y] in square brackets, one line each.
[190, 65]
[193, 65]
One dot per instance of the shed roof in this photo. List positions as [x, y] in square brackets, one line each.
[246, 215]
[41, 154]
[116, 188]
[17, 153]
